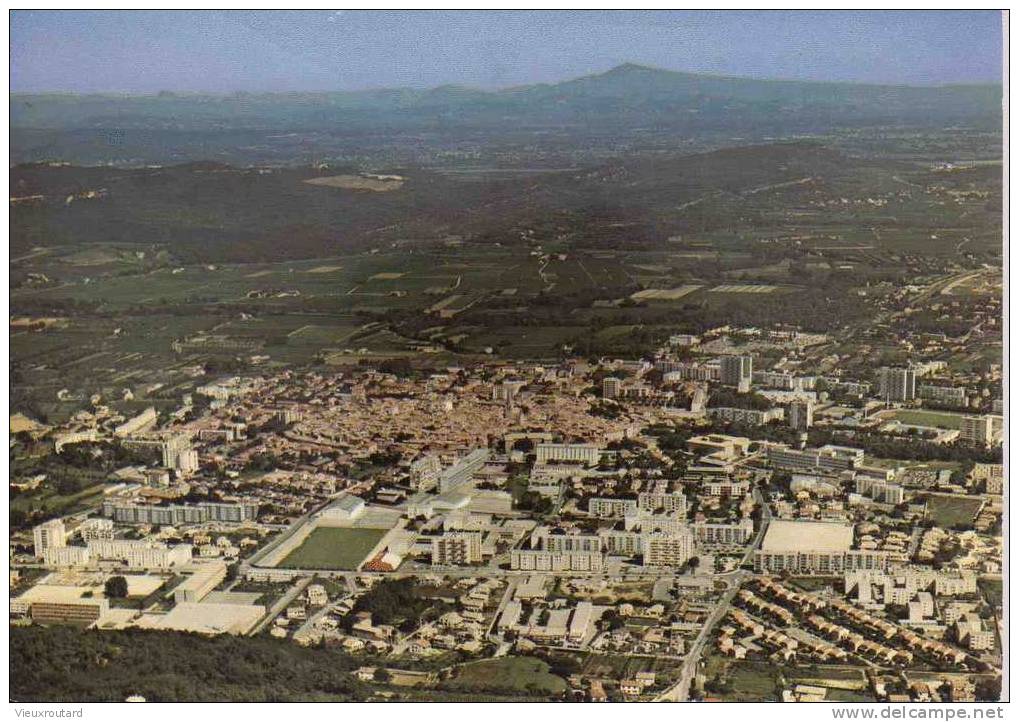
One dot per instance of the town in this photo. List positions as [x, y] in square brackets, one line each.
[731, 518]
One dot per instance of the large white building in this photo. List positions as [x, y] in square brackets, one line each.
[880, 491]
[813, 547]
[611, 508]
[49, 535]
[668, 550]
[669, 503]
[737, 371]
[137, 424]
[588, 454]
[826, 458]
[463, 471]
[713, 534]
[751, 417]
[897, 384]
[69, 556]
[801, 415]
[456, 548]
[540, 560]
[984, 429]
[139, 553]
[944, 395]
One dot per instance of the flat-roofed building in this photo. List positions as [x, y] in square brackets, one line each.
[137, 424]
[801, 415]
[49, 535]
[540, 560]
[752, 417]
[897, 384]
[622, 543]
[611, 508]
[69, 556]
[737, 371]
[206, 618]
[880, 491]
[588, 454]
[730, 447]
[813, 547]
[714, 534]
[944, 395]
[424, 473]
[457, 548]
[64, 604]
[668, 550]
[202, 580]
[670, 503]
[580, 622]
[463, 471]
[139, 553]
[984, 429]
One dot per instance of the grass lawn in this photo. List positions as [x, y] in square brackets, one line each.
[752, 682]
[948, 511]
[516, 673]
[333, 548]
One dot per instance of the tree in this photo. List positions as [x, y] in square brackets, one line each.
[382, 675]
[116, 587]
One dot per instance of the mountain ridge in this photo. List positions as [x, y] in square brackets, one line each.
[623, 70]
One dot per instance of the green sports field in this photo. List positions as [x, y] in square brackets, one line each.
[333, 548]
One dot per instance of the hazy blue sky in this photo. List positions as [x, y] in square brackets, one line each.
[220, 51]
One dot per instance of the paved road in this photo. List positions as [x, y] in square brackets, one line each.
[680, 692]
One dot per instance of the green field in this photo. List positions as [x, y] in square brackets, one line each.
[949, 511]
[929, 418]
[508, 673]
[339, 548]
[993, 591]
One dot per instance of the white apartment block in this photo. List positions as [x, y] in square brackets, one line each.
[880, 491]
[456, 548]
[137, 424]
[539, 560]
[708, 534]
[588, 454]
[140, 554]
[66, 557]
[752, 417]
[424, 473]
[611, 508]
[944, 395]
[974, 632]
[670, 503]
[668, 550]
[897, 384]
[49, 535]
[985, 429]
[726, 487]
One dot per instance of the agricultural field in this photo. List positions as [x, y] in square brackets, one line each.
[333, 548]
[664, 294]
